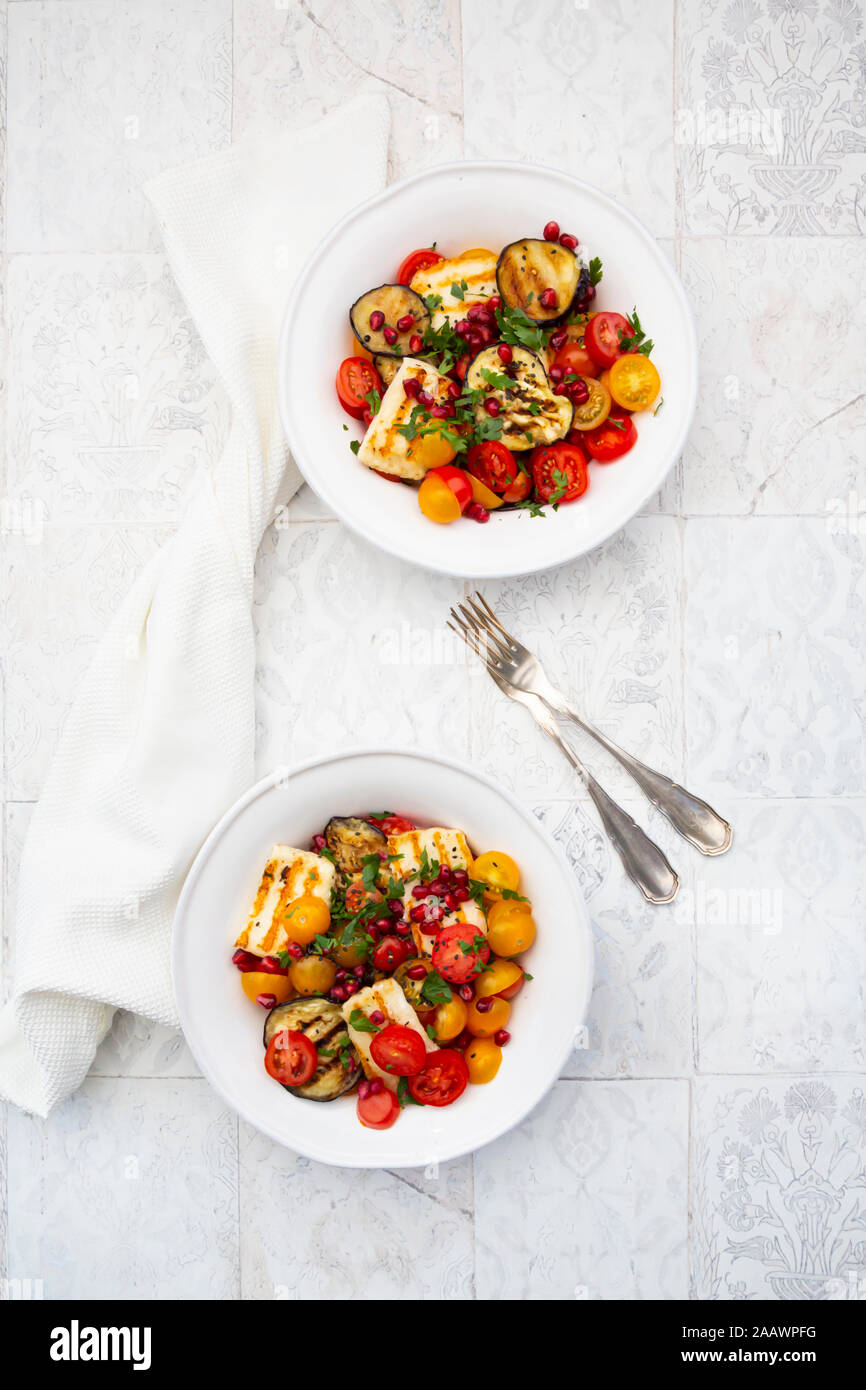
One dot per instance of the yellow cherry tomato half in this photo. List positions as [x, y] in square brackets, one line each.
[256, 982]
[634, 381]
[437, 501]
[595, 409]
[312, 974]
[503, 977]
[306, 918]
[483, 1058]
[510, 928]
[484, 1025]
[449, 1019]
[484, 496]
[349, 956]
[496, 871]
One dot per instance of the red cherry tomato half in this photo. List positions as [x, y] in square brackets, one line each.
[355, 378]
[559, 472]
[602, 336]
[399, 1051]
[573, 357]
[458, 953]
[291, 1058]
[493, 465]
[389, 953]
[415, 261]
[378, 1111]
[612, 439]
[394, 825]
[456, 480]
[443, 1077]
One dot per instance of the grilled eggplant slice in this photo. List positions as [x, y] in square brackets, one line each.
[395, 302]
[387, 367]
[351, 839]
[323, 1024]
[527, 268]
[530, 413]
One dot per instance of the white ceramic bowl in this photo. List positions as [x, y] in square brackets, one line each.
[224, 1030]
[458, 206]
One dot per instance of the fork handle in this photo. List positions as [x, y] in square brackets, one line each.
[693, 818]
[641, 857]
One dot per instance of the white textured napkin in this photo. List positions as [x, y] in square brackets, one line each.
[160, 739]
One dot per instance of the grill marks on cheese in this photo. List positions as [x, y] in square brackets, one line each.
[448, 847]
[388, 998]
[383, 446]
[289, 874]
[477, 267]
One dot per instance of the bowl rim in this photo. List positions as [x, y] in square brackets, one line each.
[582, 925]
[391, 190]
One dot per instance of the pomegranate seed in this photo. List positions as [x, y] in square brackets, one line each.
[485, 334]
[377, 318]
[547, 299]
[245, 960]
[562, 391]
[412, 386]
[377, 1017]
[463, 1040]
[476, 313]
[417, 972]
[462, 895]
[402, 928]
[383, 923]
[319, 842]
[294, 950]
[476, 338]
[389, 334]
[418, 913]
[556, 374]
[580, 392]
[505, 353]
[494, 303]
[463, 328]
[455, 390]
[568, 241]
[482, 1005]
[451, 902]
[420, 890]
[502, 1037]
[551, 231]
[558, 338]
[267, 1001]
[363, 1090]
[396, 907]
[353, 1063]
[425, 398]
[476, 512]
[340, 976]
[405, 323]
[461, 876]
[416, 343]
[375, 1086]
[351, 987]
[338, 994]
[374, 931]
[359, 972]
[466, 993]
[492, 406]
[589, 296]
[442, 412]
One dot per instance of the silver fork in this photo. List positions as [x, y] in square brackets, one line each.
[519, 670]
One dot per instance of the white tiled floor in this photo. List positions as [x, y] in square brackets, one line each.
[716, 1109]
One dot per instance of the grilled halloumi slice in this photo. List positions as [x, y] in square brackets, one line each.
[387, 998]
[289, 873]
[384, 448]
[477, 267]
[449, 847]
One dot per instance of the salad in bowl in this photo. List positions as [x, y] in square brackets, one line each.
[386, 959]
[493, 381]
